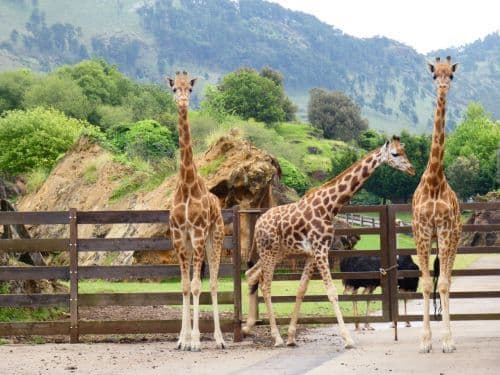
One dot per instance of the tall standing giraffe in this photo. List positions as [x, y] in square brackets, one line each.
[306, 227]
[436, 214]
[196, 225]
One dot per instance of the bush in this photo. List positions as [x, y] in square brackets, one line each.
[292, 177]
[145, 139]
[35, 139]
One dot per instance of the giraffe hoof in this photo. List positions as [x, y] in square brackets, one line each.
[279, 343]
[291, 342]
[425, 348]
[221, 345]
[408, 324]
[245, 330]
[349, 344]
[448, 347]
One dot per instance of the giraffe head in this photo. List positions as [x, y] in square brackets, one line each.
[393, 153]
[443, 74]
[182, 86]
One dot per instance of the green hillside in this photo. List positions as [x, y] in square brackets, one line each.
[149, 39]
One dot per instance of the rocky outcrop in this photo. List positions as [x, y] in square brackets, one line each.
[484, 217]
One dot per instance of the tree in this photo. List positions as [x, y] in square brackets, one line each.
[35, 138]
[13, 86]
[62, 94]
[335, 114]
[462, 175]
[477, 135]
[247, 94]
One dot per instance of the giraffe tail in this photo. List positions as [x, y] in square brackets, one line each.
[437, 312]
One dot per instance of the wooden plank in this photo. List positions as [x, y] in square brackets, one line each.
[140, 271]
[147, 299]
[34, 300]
[123, 217]
[478, 294]
[324, 298]
[487, 316]
[356, 209]
[354, 253]
[33, 273]
[466, 228]
[461, 250]
[480, 206]
[322, 320]
[34, 328]
[357, 231]
[34, 245]
[335, 275]
[132, 244]
[145, 326]
[468, 272]
[42, 217]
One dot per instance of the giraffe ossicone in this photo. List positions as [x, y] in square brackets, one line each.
[306, 227]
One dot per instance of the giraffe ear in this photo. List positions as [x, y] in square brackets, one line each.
[170, 81]
[431, 67]
[454, 67]
[386, 144]
[193, 81]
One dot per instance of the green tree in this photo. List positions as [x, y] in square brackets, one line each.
[35, 138]
[335, 114]
[343, 160]
[145, 139]
[370, 139]
[62, 94]
[462, 175]
[247, 94]
[13, 86]
[477, 135]
[292, 177]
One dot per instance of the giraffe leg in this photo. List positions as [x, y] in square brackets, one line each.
[324, 269]
[199, 251]
[408, 324]
[184, 257]
[304, 282]
[368, 327]
[423, 250]
[354, 292]
[445, 249]
[214, 250]
[267, 277]
[254, 276]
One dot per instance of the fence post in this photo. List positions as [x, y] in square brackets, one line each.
[385, 263]
[237, 274]
[392, 275]
[73, 276]
[7, 232]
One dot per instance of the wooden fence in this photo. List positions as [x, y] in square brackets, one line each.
[387, 233]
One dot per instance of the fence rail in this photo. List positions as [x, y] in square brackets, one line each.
[385, 227]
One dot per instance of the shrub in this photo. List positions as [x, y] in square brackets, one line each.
[292, 177]
[145, 139]
[35, 139]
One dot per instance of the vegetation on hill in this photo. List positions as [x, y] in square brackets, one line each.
[148, 40]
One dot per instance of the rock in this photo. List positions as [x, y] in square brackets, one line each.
[483, 217]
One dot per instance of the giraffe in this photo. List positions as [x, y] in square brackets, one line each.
[436, 214]
[196, 225]
[306, 227]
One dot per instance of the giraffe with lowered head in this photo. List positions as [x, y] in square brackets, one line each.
[436, 214]
[196, 226]
[306, 227]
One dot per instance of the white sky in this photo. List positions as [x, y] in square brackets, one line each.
[425, 25]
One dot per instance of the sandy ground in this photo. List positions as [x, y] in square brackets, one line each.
[319, 351]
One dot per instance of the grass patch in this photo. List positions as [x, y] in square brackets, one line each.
[212, 167]
[35, 179]
[13, 314]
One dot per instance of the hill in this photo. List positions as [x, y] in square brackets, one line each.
[149, 39]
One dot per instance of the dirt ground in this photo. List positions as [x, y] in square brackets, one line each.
[319, 350]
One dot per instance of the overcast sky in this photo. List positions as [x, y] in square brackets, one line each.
[425, 25]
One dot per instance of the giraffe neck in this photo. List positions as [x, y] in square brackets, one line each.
[187, 167]
[340, 189]
[435, 163]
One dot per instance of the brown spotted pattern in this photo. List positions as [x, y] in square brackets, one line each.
[436, 214]
[196, 226]
[306, 227]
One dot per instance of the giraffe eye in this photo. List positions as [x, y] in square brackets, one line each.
[395, 154]
[451, 76]
[434, 76]
[190, 90]
[174, 89]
